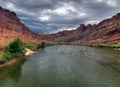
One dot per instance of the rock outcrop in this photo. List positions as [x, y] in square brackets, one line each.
[11, 27]
[106, 32]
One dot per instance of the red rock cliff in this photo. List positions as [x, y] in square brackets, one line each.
[106, 32]
[11, 27]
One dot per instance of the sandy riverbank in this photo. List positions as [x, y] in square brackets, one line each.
[14, 60]
[29, 52]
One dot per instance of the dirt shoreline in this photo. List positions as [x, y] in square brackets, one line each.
[29, 52]
[14, 60]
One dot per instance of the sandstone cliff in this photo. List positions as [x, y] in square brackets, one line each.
[11, 27]
[106, 32]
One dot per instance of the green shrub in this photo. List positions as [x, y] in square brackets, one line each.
[7, 56]
[14, 49]
[62, 43]
[109, 45]
[31, 46]
[41, 45]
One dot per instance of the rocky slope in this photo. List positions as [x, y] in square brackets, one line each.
[106, 32]
[11, 27]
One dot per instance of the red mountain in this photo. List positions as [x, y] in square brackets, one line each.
[11, 27]
[106, 32]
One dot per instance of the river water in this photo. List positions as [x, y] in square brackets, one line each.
[65, 66]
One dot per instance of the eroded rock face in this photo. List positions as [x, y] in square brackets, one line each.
[11, 27]
[107, 31]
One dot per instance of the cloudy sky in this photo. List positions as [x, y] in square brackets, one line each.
[49, 16]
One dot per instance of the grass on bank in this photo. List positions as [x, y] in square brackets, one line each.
[41, 45]
[61, 43]
[16, 49]
[109, 45]
[35, 47]
[31, 46]
[103, 45]
[1, 55]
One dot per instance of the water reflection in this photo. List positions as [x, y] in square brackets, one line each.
[109, 58]
[13, 71]
[65, 66]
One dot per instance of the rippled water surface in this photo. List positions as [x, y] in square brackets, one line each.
[65, 66]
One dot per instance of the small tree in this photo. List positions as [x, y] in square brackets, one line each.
[14, 49]
[42, 45]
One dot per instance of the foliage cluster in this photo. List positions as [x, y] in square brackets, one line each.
[41, 45]
[13, 50]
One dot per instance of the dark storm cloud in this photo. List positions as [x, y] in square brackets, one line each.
[48, 16]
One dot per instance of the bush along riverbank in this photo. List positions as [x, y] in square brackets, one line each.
[13, 50]
[17, 50]
[109, 45]
[104, 45]
[35, 47]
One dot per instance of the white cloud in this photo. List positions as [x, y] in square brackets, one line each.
[82, 14]
[10, 6]
[92, 22]
[62, 14]
[61, 11]
[62, 29]
[109, 2]
[99, 0]
[112, 2]
[44, 18]
[64, 10]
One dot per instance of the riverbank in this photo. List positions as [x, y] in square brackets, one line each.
[91, 45]
[66, 66]
[14, 60]
[29, 52]
[104, 45]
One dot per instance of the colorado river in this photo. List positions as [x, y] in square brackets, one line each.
[65, 66]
